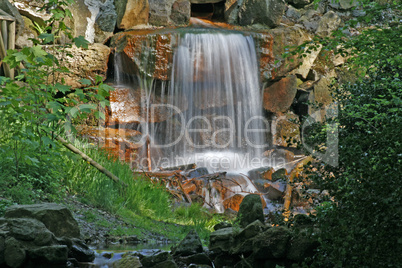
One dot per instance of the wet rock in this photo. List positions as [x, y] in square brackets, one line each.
[57, 218]
[131, 13]
[272, 243]
[250, 210]
[261, 174]
[328, 23]
[128, 106]
[267, 12]
[233, 202]
[128, 261]
[149, 53]
[81, 252]
[279, 96]
[14, 253]
[197, 173]
[157, 257]
[275, 190]
[286, 127]
[190, 245]
[56, 254]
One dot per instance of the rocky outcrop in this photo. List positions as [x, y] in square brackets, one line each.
[148, 52]
[260, 245]
[43, 233]
[279, 96]
[169, 13]
[84, 63]
[266, 12]
[56, 218]
[131, 13]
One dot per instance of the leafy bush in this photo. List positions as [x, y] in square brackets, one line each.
[361, 226]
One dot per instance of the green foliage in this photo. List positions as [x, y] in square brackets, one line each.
[361, 226]
[140, 199]
[35, 107]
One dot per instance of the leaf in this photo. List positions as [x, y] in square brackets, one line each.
[37, 51]
[47, 37]
[62, 88]
[87, 108]
[80, 41]
[85, 82]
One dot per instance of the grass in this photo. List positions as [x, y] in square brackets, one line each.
[52, 174]
[142, 203]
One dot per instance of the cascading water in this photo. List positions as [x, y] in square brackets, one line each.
[223, 127]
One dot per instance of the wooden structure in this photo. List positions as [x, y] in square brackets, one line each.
[7, 40]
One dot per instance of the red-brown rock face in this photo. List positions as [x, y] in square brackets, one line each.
[279, 96]
[150, 51]
[129, 106]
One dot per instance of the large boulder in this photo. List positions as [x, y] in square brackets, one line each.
[169, 13]
[328, 23]
[93, 19]
[27, 237]
[146, 52]
[84, 63]
[272, 44]
[131, 13]
[57, 218]
[55, 254]
[267, 12]
[14, 253]
[279, 96]
[250, 210]
[32, 10]
[128, 106]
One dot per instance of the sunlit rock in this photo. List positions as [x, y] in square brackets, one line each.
[279, 96]
[286, 130]
[131, 13]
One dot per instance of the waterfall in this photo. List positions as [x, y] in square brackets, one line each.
[210, 112]
[223, 127]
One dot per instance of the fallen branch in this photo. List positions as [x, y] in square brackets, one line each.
[89, 160]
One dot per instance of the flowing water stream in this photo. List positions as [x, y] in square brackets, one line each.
[212, 103]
